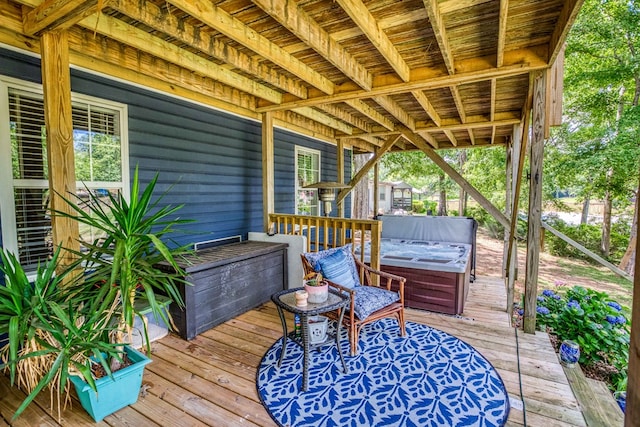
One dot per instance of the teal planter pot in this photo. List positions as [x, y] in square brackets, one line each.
[113, 393]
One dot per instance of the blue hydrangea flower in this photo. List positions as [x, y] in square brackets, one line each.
[622, 320]
[557, 297]
[541, 298]
[614, 305]
[612, 319]
[573, 304]
[521, 312]
[543, 310]
[548, 293]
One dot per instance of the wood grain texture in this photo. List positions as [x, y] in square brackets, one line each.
[56, 84]
[534, 226]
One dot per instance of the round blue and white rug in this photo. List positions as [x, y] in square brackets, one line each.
[428, 378]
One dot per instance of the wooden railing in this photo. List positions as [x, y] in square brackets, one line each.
[327, 232]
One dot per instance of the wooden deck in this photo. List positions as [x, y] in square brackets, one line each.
[211, 379]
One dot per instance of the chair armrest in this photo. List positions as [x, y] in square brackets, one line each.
[390, 278]
[351, 292]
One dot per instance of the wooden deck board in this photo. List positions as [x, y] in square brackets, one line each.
[210, 380]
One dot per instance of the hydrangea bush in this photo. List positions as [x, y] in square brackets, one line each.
[590, 318]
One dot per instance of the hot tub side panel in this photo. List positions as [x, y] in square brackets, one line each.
[439, 291]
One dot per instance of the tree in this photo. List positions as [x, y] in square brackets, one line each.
[597, 148]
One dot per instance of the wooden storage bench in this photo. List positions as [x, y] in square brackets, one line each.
[227, 281]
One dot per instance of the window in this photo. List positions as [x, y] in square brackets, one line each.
[101, 164]
[307, 172]
[383, 195]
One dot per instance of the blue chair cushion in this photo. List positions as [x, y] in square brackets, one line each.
[371, 298]
[336, 265]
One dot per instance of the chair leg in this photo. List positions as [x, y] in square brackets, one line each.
[353, 339]
[403, 330]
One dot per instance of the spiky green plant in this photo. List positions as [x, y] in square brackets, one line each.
[127, 259]
[52, 329]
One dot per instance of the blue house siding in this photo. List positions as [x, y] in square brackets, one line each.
[210, 160]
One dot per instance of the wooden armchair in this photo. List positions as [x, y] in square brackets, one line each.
[368, 302]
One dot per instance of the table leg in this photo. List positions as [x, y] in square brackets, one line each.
[304, 320]
[338, 326]
[284, 335]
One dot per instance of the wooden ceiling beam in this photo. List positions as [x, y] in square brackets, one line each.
[218, 19]
[390, 142]
[517, 62]
[346, 117]
[450, 6]
[371, 113]
[155, 17]
[319, 117]
[566, 19]
[474, 122]
[359, 13]
[437, 24]
[472, 137]
[502, 31]
[59, 14]
[143, 41]
[426, 106]
[296, 20]
[396, 111]
[451, 137]
[457, 99]
[492, 114]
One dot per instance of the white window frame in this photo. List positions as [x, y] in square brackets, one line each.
[7, 202]
[298, 186]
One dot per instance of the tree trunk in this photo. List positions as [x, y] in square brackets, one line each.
[462, 198]
[442, 201]
[360, 193]
[584, 219]
[627, 262]
[605, 242]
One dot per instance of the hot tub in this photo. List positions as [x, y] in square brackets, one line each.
[437, 273]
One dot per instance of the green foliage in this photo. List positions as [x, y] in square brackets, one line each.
[591, 319]
[128, 258]
[418, 207]
[588, 236]
[53, 329]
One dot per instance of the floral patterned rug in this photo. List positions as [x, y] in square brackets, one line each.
[428, 378]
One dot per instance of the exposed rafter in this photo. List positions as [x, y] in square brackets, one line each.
[306, 29]
[371, 113]
[152, 16]
[567, 17]
[516, 63]
[235, 29]
[457, 99]
[426, 106]
[396, 111]
[502, 31]
[60, 14]
[437, 24]
[359, 13]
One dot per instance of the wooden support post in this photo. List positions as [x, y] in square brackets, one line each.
[340, 172]
[511, 258]
[632, 415]
[508, 203]
[535, 203]
[268, 179]
[56, 85]
[376, 189]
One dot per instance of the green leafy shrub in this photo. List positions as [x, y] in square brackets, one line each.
[590, 318]
[589, 236]
[418, 207]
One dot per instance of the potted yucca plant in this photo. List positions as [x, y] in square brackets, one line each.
[60, 327]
